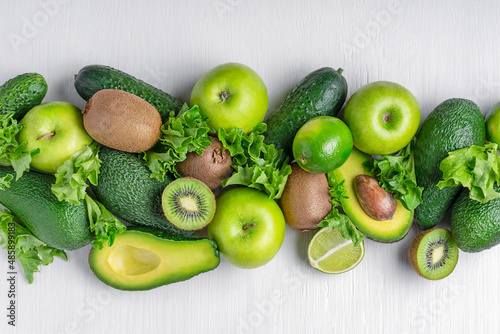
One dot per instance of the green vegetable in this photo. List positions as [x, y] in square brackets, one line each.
[475, 167]
[257, 165]
[337, 220]
[5, 181]
[396, 174]
[13, 153]
[18, 95]
[103, 224]
[72, 175]
[30, 251]
[186, 132]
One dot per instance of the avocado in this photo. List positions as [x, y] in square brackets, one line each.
[384, 231]
[144, 258]
[126, 189]
[57, 223]
[475, 226]
[452, 125]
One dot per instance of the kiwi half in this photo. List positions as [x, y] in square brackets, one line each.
[188, 203]
[434, 254]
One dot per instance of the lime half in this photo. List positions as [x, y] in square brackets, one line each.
[330, 253]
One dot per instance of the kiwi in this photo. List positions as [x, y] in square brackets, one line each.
[188, 203]
[121, 120]
[305, 200]
[211, 168]
[434, 254]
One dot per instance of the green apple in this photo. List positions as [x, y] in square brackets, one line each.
[231, 95]
[383, 117]
[56, 128]
[493, 124]
[248, 227]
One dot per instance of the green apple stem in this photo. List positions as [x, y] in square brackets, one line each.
[46, 135]
[224, 96]
[248, 226]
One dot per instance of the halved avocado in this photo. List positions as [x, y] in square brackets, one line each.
[144, 258]
[383, 231]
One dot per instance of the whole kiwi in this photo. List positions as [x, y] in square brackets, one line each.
[306, 199]
[121, 120]
[211, 168]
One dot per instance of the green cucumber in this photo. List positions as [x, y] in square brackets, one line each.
[320, 93]
[20, 94]
[94, 78]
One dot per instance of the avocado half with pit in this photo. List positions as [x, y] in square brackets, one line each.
[144, 258]
[383, 231]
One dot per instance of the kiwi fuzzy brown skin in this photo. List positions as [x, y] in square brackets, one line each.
[412, 253]
[305, 200]
[121, 120]
[211, 168]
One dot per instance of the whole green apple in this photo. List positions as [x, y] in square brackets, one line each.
[248, 227]
[56, 128]
[493, 124]
[231, 95]
[383, 117]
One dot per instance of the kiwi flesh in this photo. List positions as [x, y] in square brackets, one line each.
[211, 168]
[434, 254]
[188, 203]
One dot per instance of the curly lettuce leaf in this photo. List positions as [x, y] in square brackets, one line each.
[185, 132]
[103, 224]
[5, 181]
[30, 251]
[475, 167]
[257, 165]
[396, 174]
[13, 153]
[71, 177]
[335, 218]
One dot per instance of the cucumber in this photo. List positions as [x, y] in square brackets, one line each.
[22, 93]
[94, 78]
[320, 93]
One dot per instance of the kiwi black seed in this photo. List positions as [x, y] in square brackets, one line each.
[188, 203]
[434, 254]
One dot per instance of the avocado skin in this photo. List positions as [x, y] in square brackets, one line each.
[475, 226]
[452, 125]
[59, 224]
[22, 93]
[320, 93]
[126, 189]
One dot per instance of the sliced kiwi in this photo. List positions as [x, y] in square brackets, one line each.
[188, 203]
[434, 254]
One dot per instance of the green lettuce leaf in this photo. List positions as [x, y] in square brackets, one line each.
[185, 132]
[396, 174]
[256, 164]
[30, 251]
[335, 218]
[13, 153]
[71, 177]
[5, 181]
[475, 167]
[103, 224]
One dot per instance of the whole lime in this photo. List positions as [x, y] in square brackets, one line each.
[493, 124]
[322, 144]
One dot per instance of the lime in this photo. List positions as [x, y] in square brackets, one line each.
[330, 253]
[493, 124]
[322, 144]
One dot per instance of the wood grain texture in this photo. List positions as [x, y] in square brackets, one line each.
[437, 49]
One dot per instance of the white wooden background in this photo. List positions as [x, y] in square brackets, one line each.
[437, 49]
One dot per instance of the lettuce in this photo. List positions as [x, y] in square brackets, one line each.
[71, 177]
[475, 167]
[396, 174]
[13, 153]
[186, 132]
[257, 165]
[103, 224]
[5, 181]
[336, 219]
[30, 251]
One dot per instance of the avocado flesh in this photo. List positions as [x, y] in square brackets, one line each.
[475, 226]
[383, 231]
[143, 259]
